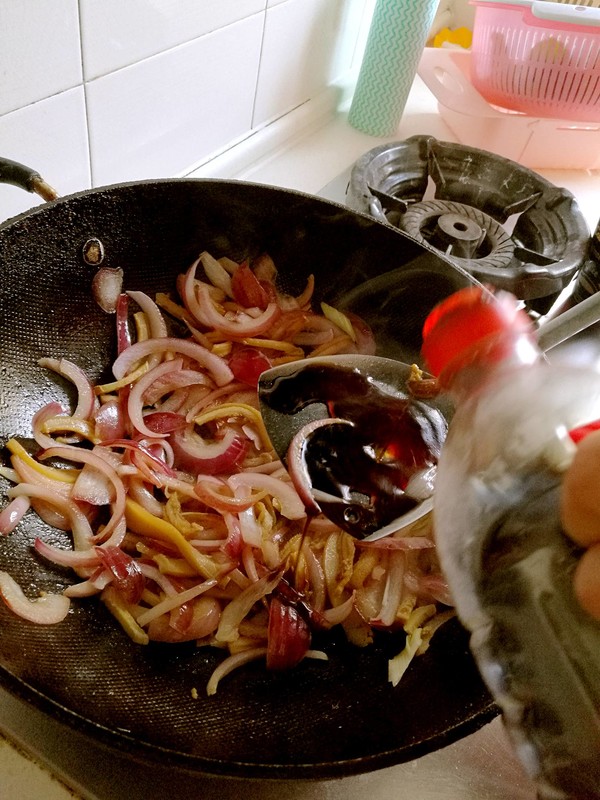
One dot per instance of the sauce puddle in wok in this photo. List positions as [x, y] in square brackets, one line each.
[370, 459]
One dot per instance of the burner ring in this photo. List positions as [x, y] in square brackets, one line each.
[468, 235]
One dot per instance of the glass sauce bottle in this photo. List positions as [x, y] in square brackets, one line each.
[496, 517]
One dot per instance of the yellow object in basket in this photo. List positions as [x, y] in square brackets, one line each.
[549, 51]
[460, 36]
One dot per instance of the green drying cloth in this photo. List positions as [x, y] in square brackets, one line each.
[397, 36]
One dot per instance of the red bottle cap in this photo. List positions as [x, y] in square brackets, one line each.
[472, 325]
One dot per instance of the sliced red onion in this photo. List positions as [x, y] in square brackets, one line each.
[214, 364]
[232, 663]
[196, 296]
[142, 495]
[316, 578]
[93, 585]
[128, 578]
[143, 449]
[160, 449]
[109, 421]
[432, 586]
[207, 545]
[106, 288]
[175, 600]
[364, 339]
[304, 299]
[116, 537]
[13, 513]
[234, 543]
[314, 338]
[337, 614]
[76, 559]
[316, 330]
[47, 609]
[296, 458]
[9, 474]
[242, 325]
[156, 321]
[236, 610]
[28, 474]
[202, 621]
[172, 381]
[85, 391]
[251, 532]
[45, 413]
[394, 587]
[210, 399]
[77, 521]
[162, 580]
[89, 457]
[198, 456]
[183, 485]
[289, 503]
[51, 516]
[123, 335]
[135, 402]
[216, 273]
[223, 502]
[177, 401]
[93, 486]
[403, 523]
[288, 637]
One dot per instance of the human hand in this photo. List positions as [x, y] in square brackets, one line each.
[580, 516]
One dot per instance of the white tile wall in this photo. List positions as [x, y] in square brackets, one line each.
[101, 91]
[51, 137]
[116, 33]
[307, 43]
[39, 50]
[161, 114]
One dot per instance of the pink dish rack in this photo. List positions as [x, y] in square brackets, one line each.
[538, 57]
[534, 141]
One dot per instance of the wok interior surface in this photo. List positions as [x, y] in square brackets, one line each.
[324, 719]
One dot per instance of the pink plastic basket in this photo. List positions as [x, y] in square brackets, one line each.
[540, 58]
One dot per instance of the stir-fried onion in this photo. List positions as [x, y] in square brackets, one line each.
[176, 510]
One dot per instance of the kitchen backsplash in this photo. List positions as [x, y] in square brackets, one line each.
[94, 92]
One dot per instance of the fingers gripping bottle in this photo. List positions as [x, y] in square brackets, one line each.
[496, 516]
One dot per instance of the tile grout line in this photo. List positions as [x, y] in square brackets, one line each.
[85, 96]
[260, 55]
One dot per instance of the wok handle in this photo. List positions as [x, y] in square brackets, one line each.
[25, 178]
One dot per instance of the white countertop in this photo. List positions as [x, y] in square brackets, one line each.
[480, 767]
[319, 156]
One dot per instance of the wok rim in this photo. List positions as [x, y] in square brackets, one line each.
[271, 188]
[144, 753]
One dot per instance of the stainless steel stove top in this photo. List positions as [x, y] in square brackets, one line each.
[479, 767]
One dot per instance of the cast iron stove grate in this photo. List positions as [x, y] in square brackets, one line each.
[503, 223]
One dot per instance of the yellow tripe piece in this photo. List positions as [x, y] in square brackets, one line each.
[143, 522]
[63, 475]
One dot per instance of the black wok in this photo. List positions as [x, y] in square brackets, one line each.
[326, 718]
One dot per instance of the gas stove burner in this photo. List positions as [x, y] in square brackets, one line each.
[503, 223]
[460, 231]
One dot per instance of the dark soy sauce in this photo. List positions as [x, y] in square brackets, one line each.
[369, 463]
